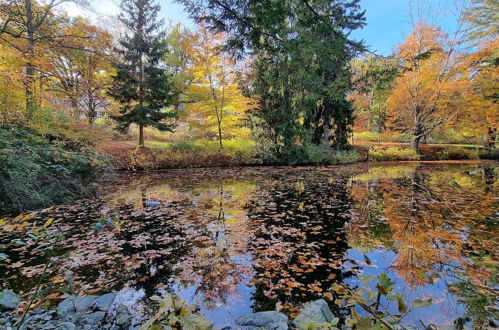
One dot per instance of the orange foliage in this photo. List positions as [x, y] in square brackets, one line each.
[428, 93]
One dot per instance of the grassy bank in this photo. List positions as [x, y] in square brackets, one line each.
[40, 169]
[243, 152]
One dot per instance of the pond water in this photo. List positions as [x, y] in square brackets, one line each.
[241, 240]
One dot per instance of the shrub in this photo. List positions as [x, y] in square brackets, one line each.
[489, 154]
[319, 155]
[392, 153]
[36, 171]
[457, 153]
[185, 146]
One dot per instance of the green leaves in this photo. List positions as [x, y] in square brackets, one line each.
[176, 313]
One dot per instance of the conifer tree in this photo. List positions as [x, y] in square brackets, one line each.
[141, 85]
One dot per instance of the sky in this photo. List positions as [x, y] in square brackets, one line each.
[387, 20]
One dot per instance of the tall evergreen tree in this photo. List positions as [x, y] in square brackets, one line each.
[141, 85]
[301, 74]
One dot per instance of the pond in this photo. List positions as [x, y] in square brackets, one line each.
[241, 240]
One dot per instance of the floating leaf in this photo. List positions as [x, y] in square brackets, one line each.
[48, 222]
[402, 306]
[420, 303]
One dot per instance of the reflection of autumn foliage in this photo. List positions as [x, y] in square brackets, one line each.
[299, 243]
[437, 221]
[220, 264]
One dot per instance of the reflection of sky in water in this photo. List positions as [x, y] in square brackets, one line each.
[221, 314]
[443, 310]
[218, 207]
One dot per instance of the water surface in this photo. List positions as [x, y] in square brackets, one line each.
[241, 240]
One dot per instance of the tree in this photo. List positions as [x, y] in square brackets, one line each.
[141, 84]
[483, 19]
[11, 87]
[214, 93]
[480, 72]
[301, 50]
[178, 61]
[82, 72]
[30, 28]
[427, 93]
[374, 78]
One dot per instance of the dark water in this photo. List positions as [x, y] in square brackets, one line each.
[236, 241]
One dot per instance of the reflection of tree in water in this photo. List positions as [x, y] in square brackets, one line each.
[299, 242]
[443, 227]
[217, 266]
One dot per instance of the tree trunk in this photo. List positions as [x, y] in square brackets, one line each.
[415, 143]
[141, 136]
[490, 142]
[92, 114]
[220, 135]
[326, 128]
[30, 90]
[30, 68]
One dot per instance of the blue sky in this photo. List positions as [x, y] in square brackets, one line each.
[387, 20]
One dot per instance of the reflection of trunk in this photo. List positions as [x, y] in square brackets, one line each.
[143, 196]
[489, 180]
[490, 141]
[141, 136]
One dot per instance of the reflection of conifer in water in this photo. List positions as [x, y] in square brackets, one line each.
[299, 241]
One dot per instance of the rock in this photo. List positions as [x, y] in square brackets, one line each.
[314, 313]
[104, 302]
[99, 227]
[110, 223]
[66, 326]
[37, 311]
[84, 302]
[264, 320]
[66, 306]
[8, 300]
[94, 320]
[123, 317]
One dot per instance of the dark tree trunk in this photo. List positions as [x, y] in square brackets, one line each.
[220, 134]
[30, 68]
[415, 143]
[141, 136]
[490, 142]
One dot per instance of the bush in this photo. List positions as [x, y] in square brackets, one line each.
[36, 171]
[311, 154]
[489, 154]
[391, 153]
[325, 155]
[185, 146]
[386, 136]
[150, 159]
[457, 153]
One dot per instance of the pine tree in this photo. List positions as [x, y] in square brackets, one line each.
[301, 51]
[141, 85]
